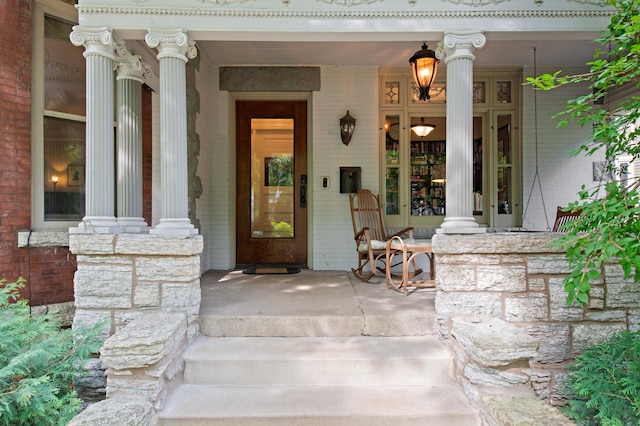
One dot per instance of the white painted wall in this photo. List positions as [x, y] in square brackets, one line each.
[203, 129]
[219, 203]
[343, 88]
[560, 175]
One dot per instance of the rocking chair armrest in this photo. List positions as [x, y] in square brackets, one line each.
[360, 235]
[408, 231]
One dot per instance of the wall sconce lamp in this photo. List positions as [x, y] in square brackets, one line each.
[54, 180]
[422, 129]
[424, 65]
[347, 126]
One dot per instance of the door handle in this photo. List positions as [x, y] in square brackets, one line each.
[303, 191]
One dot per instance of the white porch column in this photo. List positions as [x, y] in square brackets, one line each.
[100, 163]
[174, 49]
[130, 74]
[459, 48]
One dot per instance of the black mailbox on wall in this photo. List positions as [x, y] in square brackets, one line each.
[349, 179]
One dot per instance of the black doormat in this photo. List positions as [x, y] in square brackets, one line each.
[269, 270]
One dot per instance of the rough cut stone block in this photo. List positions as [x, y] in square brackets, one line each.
[512, 258]
[621, 292]
[181, 297]
[559, 311]
[158, 245]
[468, 259]
[96, 260]
[453, 277]
[554, 342]
[501, 278]
[606, 316]
[145, 341]
[528, 307]
[168, 268]
[102, 286]
[43, 239]
[634, 320]
[547, 264]
[492, 377]
[492, 342]
[149, 389]
[121, 410]
[586, 335]
[494, 243]
[537, 284]
[146, 295]
[85, 318]
[449, 304]
[91, 243]
[522, 411]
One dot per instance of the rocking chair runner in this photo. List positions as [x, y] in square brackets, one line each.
[370, 234]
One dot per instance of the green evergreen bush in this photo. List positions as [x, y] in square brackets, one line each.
[603, 385]
[38, 360]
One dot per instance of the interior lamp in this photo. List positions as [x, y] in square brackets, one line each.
[424, 66]
[422, 129]
[347, 126]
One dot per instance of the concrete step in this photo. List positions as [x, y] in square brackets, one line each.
[317, 360]
[197, 405]
[409, 323]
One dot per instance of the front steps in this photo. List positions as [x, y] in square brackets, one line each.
[329, 371]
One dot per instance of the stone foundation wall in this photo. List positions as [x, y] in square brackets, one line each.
[501, 305]
[121, 278]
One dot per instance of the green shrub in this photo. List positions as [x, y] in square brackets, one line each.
[603, 386]
[38, 360]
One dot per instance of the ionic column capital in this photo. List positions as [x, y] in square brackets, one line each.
[131, 67]
[96, 40]
[460, 44]
[171, 44]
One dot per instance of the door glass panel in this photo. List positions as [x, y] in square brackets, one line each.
[392, 164]
[428, 167]
[504, 162]
[272, 190]
[477, 165]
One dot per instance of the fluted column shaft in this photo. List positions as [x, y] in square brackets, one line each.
[130, 72]
[100, 157]
[174, 49]
[459, 48]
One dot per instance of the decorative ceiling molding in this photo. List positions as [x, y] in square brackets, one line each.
[591, 2]
[224, 2]
[475, 3]
[350, 3]
[332, 14]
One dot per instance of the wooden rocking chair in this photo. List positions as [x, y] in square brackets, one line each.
[370, 234]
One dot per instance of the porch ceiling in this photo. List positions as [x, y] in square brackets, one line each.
[551, 51]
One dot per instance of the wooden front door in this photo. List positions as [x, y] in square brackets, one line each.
[271, 183]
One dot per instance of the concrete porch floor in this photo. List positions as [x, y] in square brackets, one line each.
[340, 303]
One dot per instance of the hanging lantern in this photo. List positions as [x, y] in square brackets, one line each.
[347, 126]
[424, 66]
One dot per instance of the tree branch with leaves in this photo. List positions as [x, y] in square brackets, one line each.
[608, 228]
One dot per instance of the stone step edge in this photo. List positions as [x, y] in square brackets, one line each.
[315, 348]
[215, 402]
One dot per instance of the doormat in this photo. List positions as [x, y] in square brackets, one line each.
[266, 270]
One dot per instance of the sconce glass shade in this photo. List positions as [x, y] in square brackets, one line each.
[422, 129]
[424, 66]
[347, 126]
